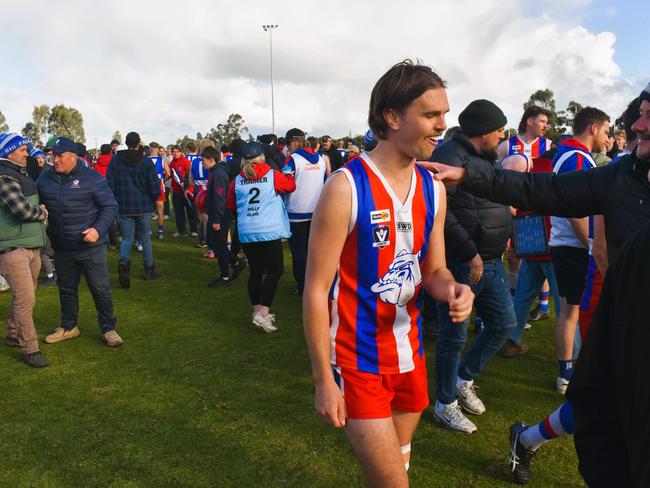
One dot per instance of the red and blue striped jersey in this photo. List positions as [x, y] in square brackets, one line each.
[375, 323]
[532, 151]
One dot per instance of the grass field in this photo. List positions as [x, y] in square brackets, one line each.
[197, 397]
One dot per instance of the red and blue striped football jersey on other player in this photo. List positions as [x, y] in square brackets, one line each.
[532, 151]
[375, 298]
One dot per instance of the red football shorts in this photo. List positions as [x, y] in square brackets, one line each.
[374, 396]
[161, 197]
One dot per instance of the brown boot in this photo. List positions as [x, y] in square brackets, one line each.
[511, 349]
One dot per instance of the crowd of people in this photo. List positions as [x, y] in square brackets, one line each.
[401, 238]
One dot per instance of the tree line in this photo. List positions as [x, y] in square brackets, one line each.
[68, 122]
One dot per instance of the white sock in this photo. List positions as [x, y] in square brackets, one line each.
[405, 449]
[461, 382]
[532, 438]
[441, 406]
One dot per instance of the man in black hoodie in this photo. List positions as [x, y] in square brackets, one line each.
[135, 184]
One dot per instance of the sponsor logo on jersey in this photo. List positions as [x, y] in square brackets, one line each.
[380, 216]
[403, 226]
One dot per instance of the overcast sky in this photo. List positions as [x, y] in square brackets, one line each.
[166, 68]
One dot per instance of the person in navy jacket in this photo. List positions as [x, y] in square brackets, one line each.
[80, 209]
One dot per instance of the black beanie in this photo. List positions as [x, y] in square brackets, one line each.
[645, 94]
[481, 117]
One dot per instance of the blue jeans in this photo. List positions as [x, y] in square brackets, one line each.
[493, 303]
[140, 225]
[529, 280]
[91, 262]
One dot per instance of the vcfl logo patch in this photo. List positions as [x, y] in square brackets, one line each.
[381, 236]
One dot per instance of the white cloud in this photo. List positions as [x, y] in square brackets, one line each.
[166, 68]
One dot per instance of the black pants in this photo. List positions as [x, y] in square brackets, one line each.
[181, 207]
[92, 263]
[298, 245]
[235, 244]
[112, 233]
[166, 203]
[266, 264]
[218, 241]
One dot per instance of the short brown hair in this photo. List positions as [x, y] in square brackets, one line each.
[211, 152]
[586, 117]
[532, 111]
[396, 89]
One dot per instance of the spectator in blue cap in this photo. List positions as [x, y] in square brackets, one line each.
[81, 207]
[21, 235]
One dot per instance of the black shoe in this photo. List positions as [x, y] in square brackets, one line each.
[124, 271]
[238, 268]
[150, 273]
[12, 342]
[537, 314]
[35, 360]
[47, 282]
[220, 282]
[520, 457]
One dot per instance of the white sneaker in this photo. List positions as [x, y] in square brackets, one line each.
[138, 246]
[467, 398]
[561, 384]
[264, 324]
[271, 316]
[4, 286]
[194, 234]
[450, 416]
[527, 326]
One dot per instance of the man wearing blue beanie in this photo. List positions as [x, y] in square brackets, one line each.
[22, 233]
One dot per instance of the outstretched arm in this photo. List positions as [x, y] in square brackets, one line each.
[574, 194]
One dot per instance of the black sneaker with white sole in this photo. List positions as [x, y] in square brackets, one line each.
[520, 457]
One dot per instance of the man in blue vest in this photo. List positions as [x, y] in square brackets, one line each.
[22, 234]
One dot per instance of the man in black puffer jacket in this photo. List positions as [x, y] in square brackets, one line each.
[476, 232]
[81, 207]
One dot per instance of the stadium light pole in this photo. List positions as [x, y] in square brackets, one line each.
[269, 28]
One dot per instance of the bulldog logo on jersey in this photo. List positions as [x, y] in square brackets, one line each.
[398, 284]
[381, 236]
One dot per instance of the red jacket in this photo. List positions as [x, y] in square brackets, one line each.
[281, 182]
[179, 168]
[101, 166]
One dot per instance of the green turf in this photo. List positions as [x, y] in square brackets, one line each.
[197, 397]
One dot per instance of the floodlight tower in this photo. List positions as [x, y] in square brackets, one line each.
[269, 28]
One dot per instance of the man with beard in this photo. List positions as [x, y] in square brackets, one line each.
[476, 232]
